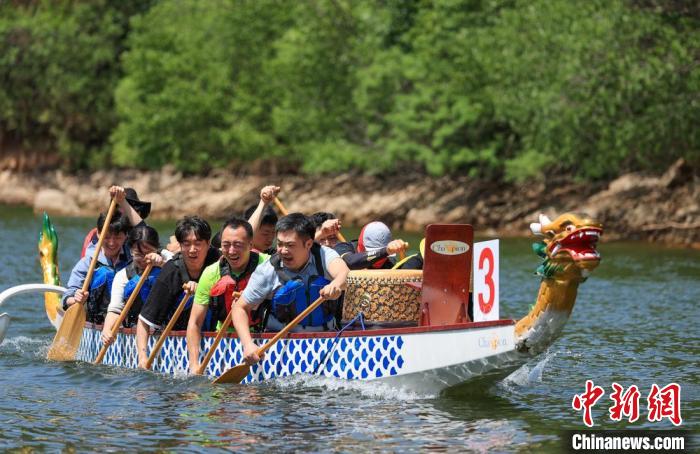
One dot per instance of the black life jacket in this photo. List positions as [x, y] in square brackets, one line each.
[100, 293]
[181, 323]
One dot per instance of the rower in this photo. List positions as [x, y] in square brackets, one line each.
[214, 295]
[296, 275]
[374, 249]
[184, 270]
[111, 259]
[263, 219]
[145, 249]
[264, 236]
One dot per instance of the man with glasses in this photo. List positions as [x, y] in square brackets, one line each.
[214, 295]
[182, 273]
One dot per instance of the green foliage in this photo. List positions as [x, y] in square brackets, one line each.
[58, 63]
[510, 89]
[190, 95]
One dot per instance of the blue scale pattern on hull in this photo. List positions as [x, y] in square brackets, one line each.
[349, 358]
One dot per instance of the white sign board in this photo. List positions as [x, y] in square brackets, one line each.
[485, 270]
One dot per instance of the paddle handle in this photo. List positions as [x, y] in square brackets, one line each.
[125, 310]
[291, 325]
[98, 248]
[219, 336]
[341, 237]
[167, 329]
[281, 207]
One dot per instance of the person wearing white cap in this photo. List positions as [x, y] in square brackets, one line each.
[372, 250]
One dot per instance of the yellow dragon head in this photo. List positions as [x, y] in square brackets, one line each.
[48, 257]
[569, 245]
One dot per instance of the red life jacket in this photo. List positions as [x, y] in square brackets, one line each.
[92, 234]
[221, 294]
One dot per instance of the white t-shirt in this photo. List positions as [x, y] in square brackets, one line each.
[116, 300]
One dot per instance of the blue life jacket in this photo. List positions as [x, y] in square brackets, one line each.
[293, 297]
[142, 297]
[100, 293]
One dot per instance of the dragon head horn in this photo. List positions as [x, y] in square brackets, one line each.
[536, 227]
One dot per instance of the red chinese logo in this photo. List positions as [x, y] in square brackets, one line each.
[626, 404]
[586, 400]
[662, 403]
[665, 403]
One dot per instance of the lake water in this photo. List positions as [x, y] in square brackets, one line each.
[635, 323]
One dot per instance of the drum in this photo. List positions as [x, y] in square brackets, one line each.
[383, 297]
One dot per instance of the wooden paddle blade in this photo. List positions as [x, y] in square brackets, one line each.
[234, 374]
[65, 344]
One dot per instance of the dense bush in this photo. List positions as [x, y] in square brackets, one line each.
[59, 66]
[490, 88]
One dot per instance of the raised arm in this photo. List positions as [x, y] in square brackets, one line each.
[362, 260]
[267, 195]
[127, 210]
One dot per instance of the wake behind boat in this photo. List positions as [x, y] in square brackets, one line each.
[453, 332]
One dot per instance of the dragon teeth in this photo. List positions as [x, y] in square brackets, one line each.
[556, 249]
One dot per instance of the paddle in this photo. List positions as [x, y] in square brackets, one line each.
[167, 329]
[219, 336]
[65, 344]
[125, 311]
[285, 212]
[238, 373]
[278, 204]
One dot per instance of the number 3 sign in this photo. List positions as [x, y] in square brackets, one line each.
[486, 270]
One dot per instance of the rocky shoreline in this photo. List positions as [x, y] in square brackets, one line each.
[663, 209]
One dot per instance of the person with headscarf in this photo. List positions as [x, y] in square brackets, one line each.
[374, 248]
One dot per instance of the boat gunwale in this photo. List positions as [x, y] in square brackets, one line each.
[348, 333]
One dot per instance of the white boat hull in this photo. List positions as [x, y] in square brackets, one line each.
[422, 360]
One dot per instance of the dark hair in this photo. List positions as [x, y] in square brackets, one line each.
[216, 240]
[321, 217]
[299, 223]
[144, 234]
[269, 217]
[195, 224]
[118, 223]
[236, 221]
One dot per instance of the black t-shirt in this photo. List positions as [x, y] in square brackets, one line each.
[167, 293]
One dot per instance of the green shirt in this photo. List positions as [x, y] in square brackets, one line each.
[210, 276]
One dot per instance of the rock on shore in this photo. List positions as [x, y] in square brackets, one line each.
[634, 206]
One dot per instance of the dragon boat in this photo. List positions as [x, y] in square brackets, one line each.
[421, 332]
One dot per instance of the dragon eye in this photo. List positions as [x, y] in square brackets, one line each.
[570, 228]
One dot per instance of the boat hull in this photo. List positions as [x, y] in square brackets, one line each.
[422, 360]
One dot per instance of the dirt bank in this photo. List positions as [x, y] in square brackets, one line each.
[634, 206]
